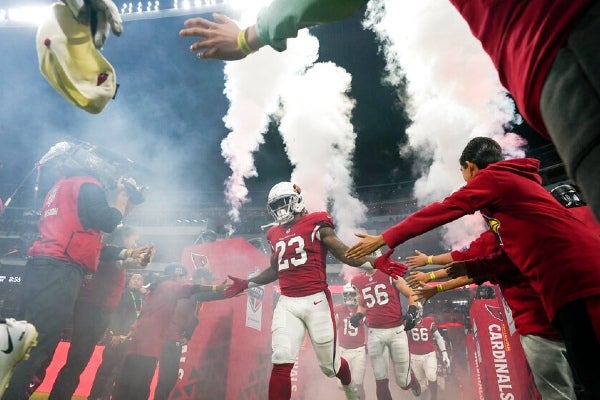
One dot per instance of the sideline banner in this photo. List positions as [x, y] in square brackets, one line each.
[224, 358]
[496, 356]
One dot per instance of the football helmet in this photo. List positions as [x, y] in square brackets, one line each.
[349, 294]
[284, 202]
[568, 196]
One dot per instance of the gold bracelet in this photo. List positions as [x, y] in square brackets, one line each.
[243, 44]
[440, 288]
[432, 276]
[429, 260]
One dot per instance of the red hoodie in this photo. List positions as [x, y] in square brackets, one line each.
[551, 247]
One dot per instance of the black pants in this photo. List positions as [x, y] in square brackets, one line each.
[89, 324]
[583, 347]
[168, 369]
[49, 292]
[112, 360]
[133, 382]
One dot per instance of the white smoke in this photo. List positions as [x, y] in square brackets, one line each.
[320, 140]
[454, 94]
[253, 87]
[314, 109]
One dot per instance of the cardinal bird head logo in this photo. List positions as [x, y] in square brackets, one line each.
[495, 312]
[494, 225]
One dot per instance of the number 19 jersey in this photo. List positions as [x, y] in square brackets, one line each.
[300, 254]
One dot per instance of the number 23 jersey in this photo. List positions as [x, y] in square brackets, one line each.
[300, 254]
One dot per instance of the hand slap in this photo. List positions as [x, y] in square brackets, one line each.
[388, 266]
[238, 286]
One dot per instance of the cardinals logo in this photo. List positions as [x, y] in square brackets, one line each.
[495, 312]
[199, 260]
[494, 225]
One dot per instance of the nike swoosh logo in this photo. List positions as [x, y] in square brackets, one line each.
[317, 302]
[9, 349]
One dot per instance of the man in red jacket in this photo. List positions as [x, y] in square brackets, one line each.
[151, 330]
[74, 214]
[552, 249]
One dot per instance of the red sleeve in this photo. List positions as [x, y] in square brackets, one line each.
[493, 264]
[422, 221]
[478, 193]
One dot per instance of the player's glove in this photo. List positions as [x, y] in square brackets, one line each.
[445, 359]
[102, 16]
[237, 287]
[410, 318]
[356, 318]
[389, 266]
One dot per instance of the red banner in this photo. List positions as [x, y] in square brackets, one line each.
[498, 365]
[226, 359]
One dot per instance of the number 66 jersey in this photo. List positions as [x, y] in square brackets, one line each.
[300, 254]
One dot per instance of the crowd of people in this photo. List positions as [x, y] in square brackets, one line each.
[542, 255]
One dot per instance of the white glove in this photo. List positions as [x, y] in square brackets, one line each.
[445, 359]
[107, 17]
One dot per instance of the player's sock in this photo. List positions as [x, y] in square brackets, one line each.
[383, 389]
[280, 384]
[433, 389]
[344, 373]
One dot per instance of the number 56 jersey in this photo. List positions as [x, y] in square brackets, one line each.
[300, 254]
[381, 299]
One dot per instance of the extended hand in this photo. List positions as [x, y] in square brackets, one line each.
[356, 319]
[366, 246]
[445, 359]
[410, 318]
[416, 279]
[425, 292]
[106, 17]
[416, 261]
[388, 266]
[456, 269]
[237, 287]
[220, 37]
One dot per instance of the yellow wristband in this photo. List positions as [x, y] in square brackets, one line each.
[213, 288]
[432, 276]
[129, 253]
[440, 288]
[243, 44]
[429, 260]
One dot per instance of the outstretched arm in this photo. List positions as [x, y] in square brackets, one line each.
[338, 249]
[239, 285]
[276, 23]
[383, 263]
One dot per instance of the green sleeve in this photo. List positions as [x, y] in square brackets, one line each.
[284, 18]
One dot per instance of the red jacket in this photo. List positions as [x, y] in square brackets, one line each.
[522, 38]
[553, 250]
[63, 236]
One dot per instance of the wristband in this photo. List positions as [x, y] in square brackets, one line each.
[440, 288]
[213, 288]
[243, 44]
[429, 260]
[432, 276]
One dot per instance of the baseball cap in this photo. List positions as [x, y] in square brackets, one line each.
[71, 63]
[203, 273]
[175, 269]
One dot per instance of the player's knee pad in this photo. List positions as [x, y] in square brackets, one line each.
[282, 355]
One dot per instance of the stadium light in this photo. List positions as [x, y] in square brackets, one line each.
[32, 16]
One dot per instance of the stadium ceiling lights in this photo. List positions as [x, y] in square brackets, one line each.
[32, 16]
